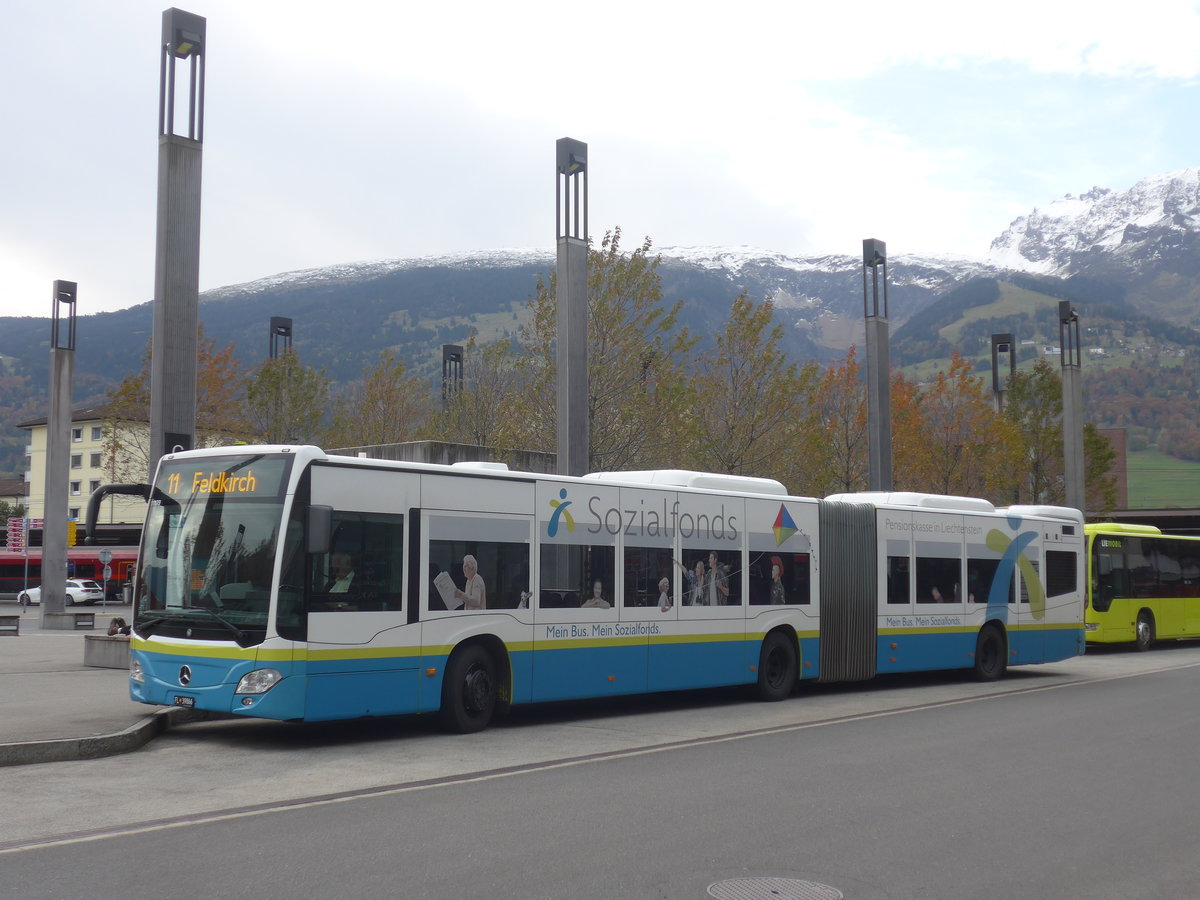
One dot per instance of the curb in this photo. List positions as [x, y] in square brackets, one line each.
[23, 753]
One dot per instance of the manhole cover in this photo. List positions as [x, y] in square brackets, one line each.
[772, 889]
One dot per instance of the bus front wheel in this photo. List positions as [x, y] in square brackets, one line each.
[991, 660]
[469, 690]
[776, 667]
[1145, 631]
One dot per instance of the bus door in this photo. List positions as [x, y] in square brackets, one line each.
[651, 586]
[580, 648]
[474, 581]
[709, 646]
[362, 659]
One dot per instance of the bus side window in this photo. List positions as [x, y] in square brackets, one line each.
[938, 580]
[362, 570]
[898, 587]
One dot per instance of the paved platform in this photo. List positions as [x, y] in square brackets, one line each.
[53, 707]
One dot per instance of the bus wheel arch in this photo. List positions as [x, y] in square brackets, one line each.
[1144, 630]
[991, 652]
[472, 685]
[778, 665]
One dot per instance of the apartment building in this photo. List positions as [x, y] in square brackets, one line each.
[87, 470]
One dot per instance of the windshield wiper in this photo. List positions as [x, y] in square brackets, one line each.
[238, 634]
[147, 627]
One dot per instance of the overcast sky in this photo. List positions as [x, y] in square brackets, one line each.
[340, 131]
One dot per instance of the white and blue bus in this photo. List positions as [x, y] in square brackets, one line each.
[286, 583]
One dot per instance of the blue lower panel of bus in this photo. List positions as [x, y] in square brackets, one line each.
[681, 666]
[588, 672]
[576, 672]
[211, 684]
[372, 692]
[923, 652]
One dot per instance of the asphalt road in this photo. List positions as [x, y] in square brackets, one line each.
[1063, 781]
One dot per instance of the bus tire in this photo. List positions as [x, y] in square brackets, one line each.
[1144, 636]
[991, 654]
[777, 667]
[469, 690]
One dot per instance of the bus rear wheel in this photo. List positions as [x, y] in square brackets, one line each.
[991, 659]
[776, 667]
[1144, 636]
[469, 690]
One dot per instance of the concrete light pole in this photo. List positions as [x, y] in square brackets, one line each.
[570, 220]
[452, 372]
[281, 335]
[1072, 422]
[1002, 344]
[177, 249]
[879, 388]
[58, 455]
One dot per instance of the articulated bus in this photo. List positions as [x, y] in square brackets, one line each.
[1144, 585]
[285, 583]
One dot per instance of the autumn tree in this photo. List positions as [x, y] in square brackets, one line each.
[841, 415]
[385, 406]
[751, 403]
[636, 385]
[221, 415]
[964, 447]
[286, 400]
[1033, 403]
[480, 410]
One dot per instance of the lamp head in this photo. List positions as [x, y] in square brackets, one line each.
[874, 252]
[183, 33]
[572, 156]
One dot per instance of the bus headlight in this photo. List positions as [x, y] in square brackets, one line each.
[135, 672]
[259, 681]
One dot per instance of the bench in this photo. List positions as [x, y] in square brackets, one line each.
[10, 625]
[78, 621]
[106, 651]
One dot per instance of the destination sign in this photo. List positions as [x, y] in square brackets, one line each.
[230, 477]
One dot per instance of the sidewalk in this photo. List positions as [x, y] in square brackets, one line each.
[54, 708]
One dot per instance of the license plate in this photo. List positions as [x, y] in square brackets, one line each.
[189, 702]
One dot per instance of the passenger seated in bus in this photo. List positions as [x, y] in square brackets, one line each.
[664, 595]
[939, 597]
[596, 601]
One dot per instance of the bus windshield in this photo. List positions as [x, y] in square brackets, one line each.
[208, 549]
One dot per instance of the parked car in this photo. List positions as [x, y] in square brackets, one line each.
[78, 592]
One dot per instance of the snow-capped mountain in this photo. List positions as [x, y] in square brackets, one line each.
[1126, 229]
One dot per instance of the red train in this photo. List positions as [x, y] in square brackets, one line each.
[82, 562]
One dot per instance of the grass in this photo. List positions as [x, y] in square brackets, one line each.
[1157, 481]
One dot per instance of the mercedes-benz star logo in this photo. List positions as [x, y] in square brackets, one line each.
[185, 675]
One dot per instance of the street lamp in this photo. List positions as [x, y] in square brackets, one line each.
[571, 223]
[879, 393]
[1002, 345]
[58, 453]
[177, 245]
[452, 372]
[281, 335]
[1072, 422]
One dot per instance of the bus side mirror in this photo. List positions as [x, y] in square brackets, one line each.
[320, 529]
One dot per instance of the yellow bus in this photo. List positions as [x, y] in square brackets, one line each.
[1143, 585]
